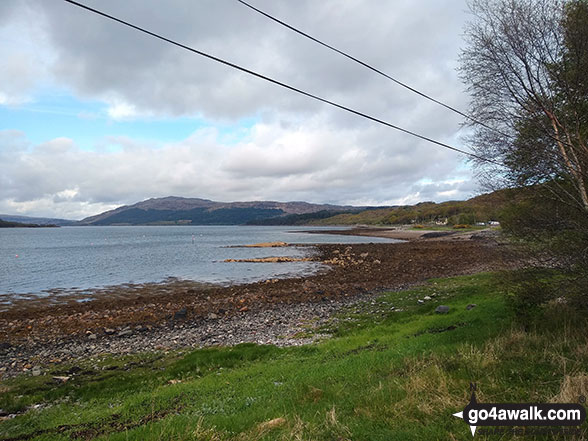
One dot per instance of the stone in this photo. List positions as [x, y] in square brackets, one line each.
[420, 302]
[109, 331]
[36, 371]
[442, 309]
[61, 379]
[181, 314]
[92, 337]
[272, 424]
[212, 316]
[125, 333]
[471, 306]
[427, 298]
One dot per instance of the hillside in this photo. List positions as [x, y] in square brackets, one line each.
[180, 211]
[6, 224]
[173, 210]
[303, 219]
[482, 208]
[36, 220]
[194, 211]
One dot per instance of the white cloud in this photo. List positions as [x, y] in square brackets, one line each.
[417, 42]
[58, 178]
[299, 149]
[121, 110]
[24, 52]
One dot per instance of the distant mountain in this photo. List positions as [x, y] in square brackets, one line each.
[193, 211]
[36, 220]
[6, 224]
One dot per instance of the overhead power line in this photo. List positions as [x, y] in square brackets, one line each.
[370, 67]
[279, 83]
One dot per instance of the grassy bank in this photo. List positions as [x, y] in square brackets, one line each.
[385, 375]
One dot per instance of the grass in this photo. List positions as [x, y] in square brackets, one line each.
[394, 370]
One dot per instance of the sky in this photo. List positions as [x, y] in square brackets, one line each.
[94, 115]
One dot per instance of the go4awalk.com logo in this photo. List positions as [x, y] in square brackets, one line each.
[505, 417]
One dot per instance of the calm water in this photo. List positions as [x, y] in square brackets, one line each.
[34, 260]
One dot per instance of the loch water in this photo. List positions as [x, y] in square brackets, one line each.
[40, 260]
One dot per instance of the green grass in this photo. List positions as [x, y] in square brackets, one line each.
[385, 375]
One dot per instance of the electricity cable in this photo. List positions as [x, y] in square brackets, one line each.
[279, 83]
[378, 71]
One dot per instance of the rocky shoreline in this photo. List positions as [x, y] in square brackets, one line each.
[283, 325]
[188, 315]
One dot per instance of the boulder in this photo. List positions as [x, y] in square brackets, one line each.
[61, 379]
[181, 314]
[442, 309]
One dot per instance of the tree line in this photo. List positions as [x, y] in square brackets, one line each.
[525, 66]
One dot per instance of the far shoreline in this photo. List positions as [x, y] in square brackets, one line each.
[138, 318]
[405, 233]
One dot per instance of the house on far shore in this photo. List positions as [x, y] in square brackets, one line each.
[441, 221]
[494, 223]
[480, 224]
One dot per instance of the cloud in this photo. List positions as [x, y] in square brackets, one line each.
[298, 149]
[59, 178]
[23, 65]
[122, 110]
[416, 43]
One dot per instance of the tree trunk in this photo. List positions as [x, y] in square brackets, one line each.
[573, 168]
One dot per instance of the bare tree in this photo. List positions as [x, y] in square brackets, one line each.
[526, 68]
